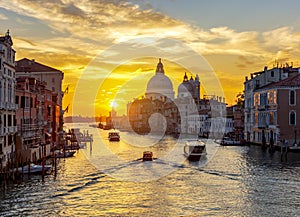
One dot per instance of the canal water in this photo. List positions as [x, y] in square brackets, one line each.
[109, 179]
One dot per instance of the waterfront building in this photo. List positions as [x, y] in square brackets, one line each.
[217, 127]
[187, 100]
[156, 112]
[258, 80]
[276, 111]
[34, 119]
[185, 114]
[8, 108]
[53, 80]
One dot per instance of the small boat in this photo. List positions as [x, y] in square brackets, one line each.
[194, 150]
[147, 156]
[64, 154]
[114, 136]
[33, 168]
[226, 141]
[295, 149]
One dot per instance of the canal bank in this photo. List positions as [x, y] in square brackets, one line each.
[237, 181]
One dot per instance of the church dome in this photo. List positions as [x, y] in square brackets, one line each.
[185, 87]
[159, 85]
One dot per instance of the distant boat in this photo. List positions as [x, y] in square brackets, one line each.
[64, 154]
[282, 148]
[147, 156]
[114, 136]
[93, 125]
[226, 141]
[194, 150]
[33, 168]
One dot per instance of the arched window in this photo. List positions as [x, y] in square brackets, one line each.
[292, 97]
[292, 118]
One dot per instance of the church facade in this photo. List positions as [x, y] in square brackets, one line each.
[160, 111]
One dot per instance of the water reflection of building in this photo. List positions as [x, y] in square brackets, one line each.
[186, 114]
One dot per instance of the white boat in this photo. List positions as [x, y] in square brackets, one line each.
[114, 136]
[64, 154]
[34, 168]
[194, 150]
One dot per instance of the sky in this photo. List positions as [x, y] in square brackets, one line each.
[108, 49]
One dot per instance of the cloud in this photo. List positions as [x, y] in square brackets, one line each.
[3, 17]
[77, 31]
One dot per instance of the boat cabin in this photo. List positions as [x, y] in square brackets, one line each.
[147, 156]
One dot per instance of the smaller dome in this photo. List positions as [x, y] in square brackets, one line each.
[185, 87]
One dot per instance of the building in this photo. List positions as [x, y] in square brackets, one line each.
[8, 108]
[185, 114]
[156, 112]
[34, 119]
[188, 99]
[53, 80]
[259, 80]
[275, 111]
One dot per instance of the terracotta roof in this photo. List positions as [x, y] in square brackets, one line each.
[288, 82]
[26, 65]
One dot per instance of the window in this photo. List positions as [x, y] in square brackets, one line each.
[272, 74]
[17, 100]
[292, 118]
[256, 99]
[292, 97]
[272, 97]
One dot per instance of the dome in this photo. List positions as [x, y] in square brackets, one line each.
[160, 84]
[185, 87]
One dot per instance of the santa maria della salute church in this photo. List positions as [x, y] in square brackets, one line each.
[159, 111]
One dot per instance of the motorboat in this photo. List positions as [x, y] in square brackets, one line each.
[64, 154]
[114, 136]
[34, 168]
[194, 150]
[147, 156]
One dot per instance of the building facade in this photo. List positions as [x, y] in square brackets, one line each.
[53, 79]
[259, 80]
[276, 108]
[8, 108]
[185, 114]
[34, 119]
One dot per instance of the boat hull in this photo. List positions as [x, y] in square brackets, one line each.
[34, 169]
[112, 139]
[194, 150]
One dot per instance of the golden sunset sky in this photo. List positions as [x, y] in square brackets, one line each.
[108, 49]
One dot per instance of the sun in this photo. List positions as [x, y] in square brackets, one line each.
[113, 104]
